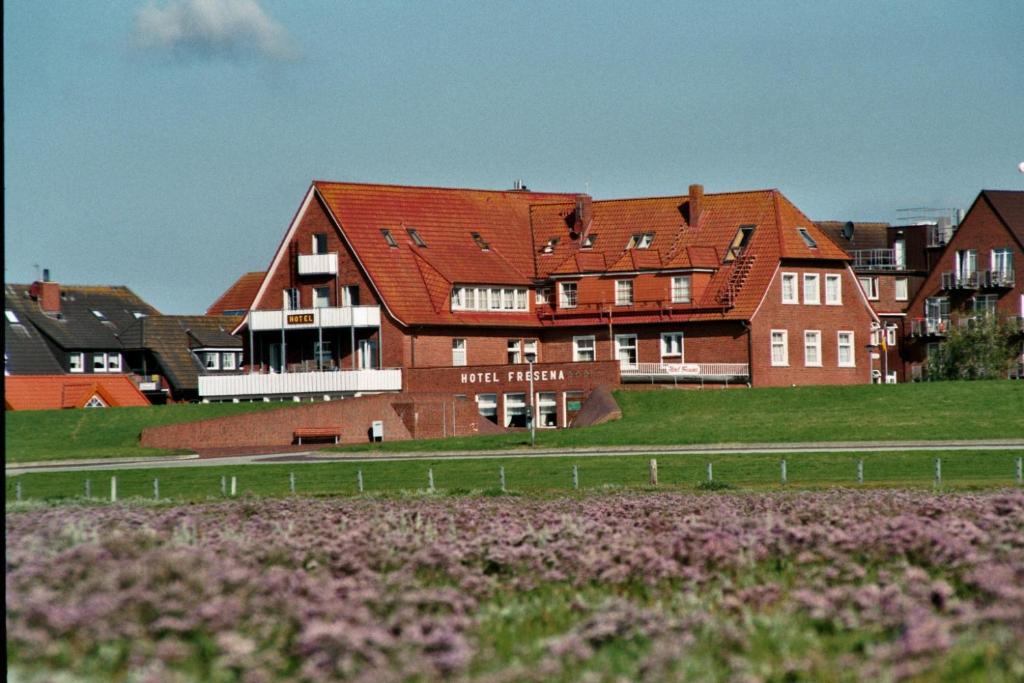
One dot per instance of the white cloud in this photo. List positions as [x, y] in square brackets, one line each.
[212, 27]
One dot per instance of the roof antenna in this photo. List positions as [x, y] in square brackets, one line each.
[36, 266]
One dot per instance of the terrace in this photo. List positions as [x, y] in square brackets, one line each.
[875, 259]
[678, 373]
[258, 385]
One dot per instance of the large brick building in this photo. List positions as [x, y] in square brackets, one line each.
[373, 286]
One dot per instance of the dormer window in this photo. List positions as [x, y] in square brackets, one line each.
[640, 240]
[550, 246]
[415, 237]
[389, 238]
[138, 314]
[99, 315]
[740, 242]
[11, 317]
[588, 241]
[808, 240]
[480, 241]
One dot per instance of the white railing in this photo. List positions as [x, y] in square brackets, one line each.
[300, 383]
[686, 371]
[311, 318]
[318, 264]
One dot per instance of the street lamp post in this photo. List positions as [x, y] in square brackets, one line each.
[533, 411]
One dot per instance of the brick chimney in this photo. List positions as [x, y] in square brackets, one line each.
[696, 200]
[583, 214]
[47, 294]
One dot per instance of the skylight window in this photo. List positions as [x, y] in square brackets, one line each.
[415, 237]
[99, 314]
[11, 317]
[808, 240]
[388, 237]
[480, 241]
[550, 246]
[740, 242]
[641, 240]
[138, 314]
[588, 241]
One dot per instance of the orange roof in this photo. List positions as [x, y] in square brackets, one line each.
[50, 392]
[238, 296]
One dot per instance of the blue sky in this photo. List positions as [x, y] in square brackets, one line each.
[166, 145]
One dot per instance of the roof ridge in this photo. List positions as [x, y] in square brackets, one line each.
[521, 193]
[682, 196]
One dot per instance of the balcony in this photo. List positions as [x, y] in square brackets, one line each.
[678, 373]
[954, 280]
[939, 235]
[875, 259]
[312, 318]
[299, 383]
[929, 327]
[997, 279]
[150, 383]
[318, 264]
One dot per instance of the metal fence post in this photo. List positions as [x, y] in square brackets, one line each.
[359, 480]
[783, 471]
[860, 471]
[653, 470]
[113, 489]
[234, 485]
[17, 491]
[710, 478]
[156, 489]
[291, 482]
[938, 471]
[430, 479]
[1020, 470]
[223, 485]
[575, 477]
[501, 478]
[88, 488]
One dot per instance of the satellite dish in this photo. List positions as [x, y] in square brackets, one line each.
[848, 230]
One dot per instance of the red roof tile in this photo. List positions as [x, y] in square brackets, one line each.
[49, 392]
[238, 296]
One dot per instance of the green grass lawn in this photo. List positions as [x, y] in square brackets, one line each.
[935, 410]
[537, 476]
[34, 435]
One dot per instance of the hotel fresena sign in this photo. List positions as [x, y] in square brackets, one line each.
[499, 377]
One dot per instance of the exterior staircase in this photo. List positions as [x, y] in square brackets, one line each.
[730, 290]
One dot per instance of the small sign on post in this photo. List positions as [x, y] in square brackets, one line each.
[501, 478]
[359, 480]
[113, 489]
[575, 477]
[653, 467]
[783, 471]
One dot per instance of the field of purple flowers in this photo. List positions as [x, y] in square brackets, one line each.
[837, 585]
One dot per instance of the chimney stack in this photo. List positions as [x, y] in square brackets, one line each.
[46, 293]
[584, 213]
[696, 200]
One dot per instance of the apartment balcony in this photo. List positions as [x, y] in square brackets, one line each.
[929, 327]
[997, 279]
[318, 264]
[875, 259]
[248, 385]
[678, 373]
[312, 318]
[150, 383]
[953, 280]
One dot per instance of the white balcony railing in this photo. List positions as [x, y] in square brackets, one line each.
[682, 372]
[299, 383]
[318, 264]
[311, 318]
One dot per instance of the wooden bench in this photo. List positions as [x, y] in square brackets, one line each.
[317, 433]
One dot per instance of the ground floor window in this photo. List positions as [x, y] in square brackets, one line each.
[672, 344]
[547, 409]
[573, 404]
[780, 348]
[846, 357]
[515, 410]
[487, 404]
[583, 349]
[812, 348]
[625, 349]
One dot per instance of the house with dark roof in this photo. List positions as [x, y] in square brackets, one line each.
[476, 292]
[979, 272]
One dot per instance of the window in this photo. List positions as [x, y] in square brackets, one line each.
[623, 292]
[1002, 262]
[985, 304]
[458, 352]
[625, 349]
[834, 290]
[487, 405]
[230, 360]
[522, 303]
[12, 318]
[780, 348]
[845, 355]
[321, 353]
[812, 348]
[76, 361]
[740, 242]
[672, 345]
[530, 350]
[567, 294]
[514, 352]
[640, 240]
[507, 299]
[936, 309]
[389, 238]
[99, 315]
[681, 289]
[547, 409]
[515, 410]
[350, 295]
[211, 360]
[320, 243]
[549, 248]
[588, 241]
[899, 254]
[966, 264]
[812, 295]
[480, 241]
[890, 335]
[870, 287]
[366, 357]
[415, 237]
[291, 299]
[583, 349]
[458, 298]
[321, 297]
[806, 237]
[140, 314]
[542, 296]
[789, 289]
[494, 296]
[113, 362]
[489, 298]
[95, 402]
[900, 286]
[99, 362]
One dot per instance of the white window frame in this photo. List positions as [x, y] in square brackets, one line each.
[542, 296]
[565, 299]
[114, 362]
[837, 279]
[460, 351]
[346, 294]
[321, 297]
[512, 401]
[488, 403]
[76, 361]
[901, 287]
[315, 240]
[682, 289]
[547, 405]
[899, 254]
[577, 351]
[795, 292]
[816, 336]
[634, 345]
[871, 286]
[890, 336]
[95, 402]
[623, 292]
[850, 346]
[531, 347]
[667, 344]
[784, 345]
[211, 360]
[514, 351]
[99, 362]
[816, 290]
[287, 298]
[229, 361]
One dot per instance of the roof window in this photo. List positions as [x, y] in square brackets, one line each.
[138, 314]
[480, 241]
[99, 314]
[11, 317]
[808, 240]
[388, 237]
[550, 246]
[588, 241]
[740, 242]
[640, 240]
[415, 237]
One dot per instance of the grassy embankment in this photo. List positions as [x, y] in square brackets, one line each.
[536, 476]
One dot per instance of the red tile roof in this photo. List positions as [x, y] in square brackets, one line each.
[49, 392]
[238, 296]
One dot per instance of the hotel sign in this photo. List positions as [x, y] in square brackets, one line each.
[300, 319]
[516, 376]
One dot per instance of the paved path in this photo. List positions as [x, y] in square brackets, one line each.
[302, 457]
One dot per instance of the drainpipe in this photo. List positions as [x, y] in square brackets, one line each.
[750, 352]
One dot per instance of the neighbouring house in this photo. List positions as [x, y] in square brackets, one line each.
[979, 272]
[380, 288]
[50, 392]
[238, 297]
